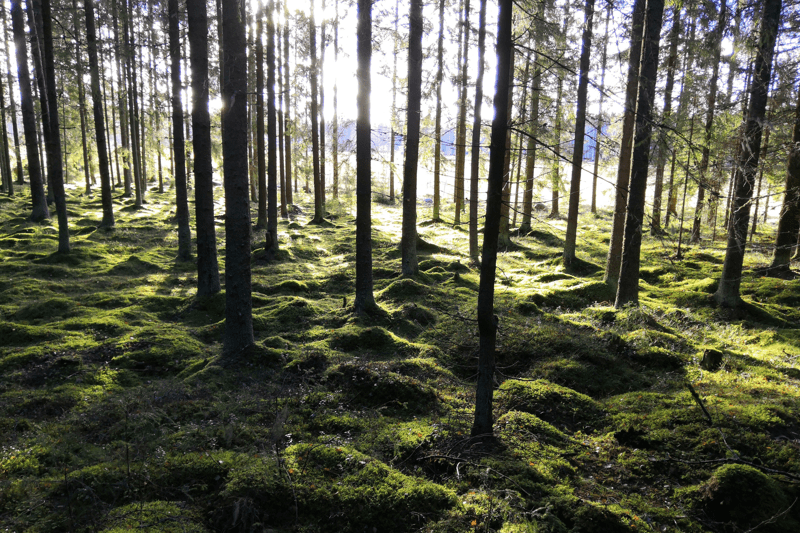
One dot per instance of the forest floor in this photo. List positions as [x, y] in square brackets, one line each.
[117, 413]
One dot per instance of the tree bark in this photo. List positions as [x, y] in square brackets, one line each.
[238, 303]
[287, 140]
[461, 136]
[580, 127]
[319, 194]
[207, 266]
[624, 168]
[598, 131]
[789, 222]
[666, 119]
[335, 122]
[476, 138]
[54, 160]
[364, 300]
[393, 121]
[261, 162]
[555, 180]
[181, 200]
[728, 291]
[437, 128]
[712, 99]
[12, 98]
[99, 120]
[628, 285]
[487, 321]
[272, 140]
[408, 244]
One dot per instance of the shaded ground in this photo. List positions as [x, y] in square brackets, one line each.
[115, 412]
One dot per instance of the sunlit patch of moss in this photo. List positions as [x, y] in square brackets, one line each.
[575, 296]
[403, 289]
[373, 339]
[285, 314]
[549, 401]
[155, 516]
[133, 266]
[20, 334]
[47, 310]
[376, 386]
[159, 347]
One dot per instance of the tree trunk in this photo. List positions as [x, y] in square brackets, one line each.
[487, 321]
[335, 122]
[628, 285]
[8, 180]
[555, 180]
[364, 300]
[712, 99]
[36, 31]
[666, 119]
[287, 140]
[81, 99]
[39, 211]
[133, 106]
[599, 125]
[476, 138]
[323, 45]
[238, 303]
[319, 194]
[207, 266]
[272, 140]
[54, 161]
[408, 244]
[461, 136]
[181, 200]
[504, 237]
[393, 122]
[121, 106]
[437, 128]
[14, 126]
[99, 121]
[789, 222]
[728, 292]
[624, 169]
[260, 148]
[580, 127]
[281, 131]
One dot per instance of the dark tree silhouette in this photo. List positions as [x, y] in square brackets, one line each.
[408, 244]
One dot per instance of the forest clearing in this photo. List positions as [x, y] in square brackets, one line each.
[117, 410]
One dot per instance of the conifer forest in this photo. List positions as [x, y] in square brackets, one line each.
[445, 266]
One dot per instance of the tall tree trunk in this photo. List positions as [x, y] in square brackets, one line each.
[281, 132]
[475, 153]
[39, 211]
[437, 128]
[319, 194]
[712, 99]
[598, 131]
[121, 105]
[181, 200]
[393, 120]
[789, 222]
[133, 105]
[764, 150]
[54, 161]
[287, 141]
[364, 300]
[728, 292]
[36, 31]
[81, 100]
[580, 127]
[99, 120]
[207, 266]
[335, 122]
[8, 179]
[624, 169]
[555, 179]
[272, 140]
[504, 237]
[628, 285]
[530, 152]
[666, 118]
[238, 302]
[408, 243]
[10, 77]
[260, 148]
[487, 321]
[322, 157]
[461, 136]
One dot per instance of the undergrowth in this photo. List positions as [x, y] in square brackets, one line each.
[117, 414]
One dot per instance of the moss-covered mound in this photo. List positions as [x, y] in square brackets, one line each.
[551, 402]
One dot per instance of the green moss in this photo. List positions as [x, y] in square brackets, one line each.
[375, 386]
[20, 334]
[50, 309]
[159, 348]
[531, 425]
[574, 297]
[375, 339]
[549, 402]
[286, 313]
[403, 289]
[154, 517]
[133, 266]
[742, 495]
